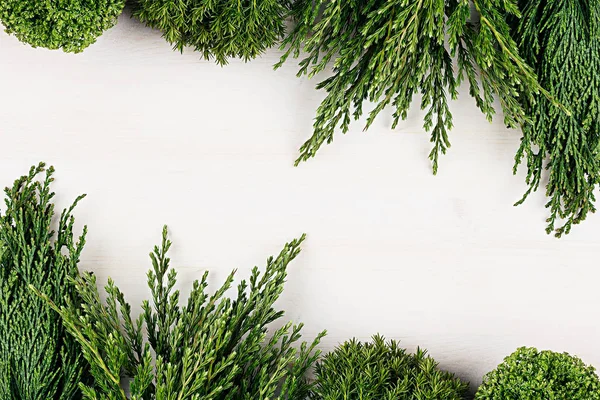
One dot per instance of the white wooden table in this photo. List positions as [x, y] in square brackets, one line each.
[155, 137]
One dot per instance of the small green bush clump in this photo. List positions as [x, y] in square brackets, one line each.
[381, 370]
[529, 374]
[68, 25]
[218, 29]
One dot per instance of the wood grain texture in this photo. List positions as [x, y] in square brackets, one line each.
[156, 137]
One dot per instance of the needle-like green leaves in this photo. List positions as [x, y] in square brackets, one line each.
[218, 29]
[213, 347]
[68, 25]
[561, 39]
[380, 370]
[388, 51]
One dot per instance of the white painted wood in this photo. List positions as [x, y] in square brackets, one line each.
[155, 137]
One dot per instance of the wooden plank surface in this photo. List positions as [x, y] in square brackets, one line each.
[156, 137]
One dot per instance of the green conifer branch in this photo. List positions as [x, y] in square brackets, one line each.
[213, 347]
[562, 41]
[38, 359]
[386, 52]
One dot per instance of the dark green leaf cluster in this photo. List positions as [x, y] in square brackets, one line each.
[561, 39]
[386, 52]
[39, 360]
[68, 25]
[218, 29]
[529, 374]
[381, 370]
[213, 347]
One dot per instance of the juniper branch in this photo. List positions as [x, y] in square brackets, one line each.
[386, 52]
[213, 347]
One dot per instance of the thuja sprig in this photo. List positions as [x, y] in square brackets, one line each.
[561, 39]
[213, 347]
[386, 52]
[38, 358]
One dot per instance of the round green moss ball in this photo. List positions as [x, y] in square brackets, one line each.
[383, 370]
[70, 25]
[529, 374]
[217, 29]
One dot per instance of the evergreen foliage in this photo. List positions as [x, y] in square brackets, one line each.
[381, 370]
[211, 348]
[385, 52]
[561, 39]
[218, 29]
[529, 374]
[68, 25]
[39, 360]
